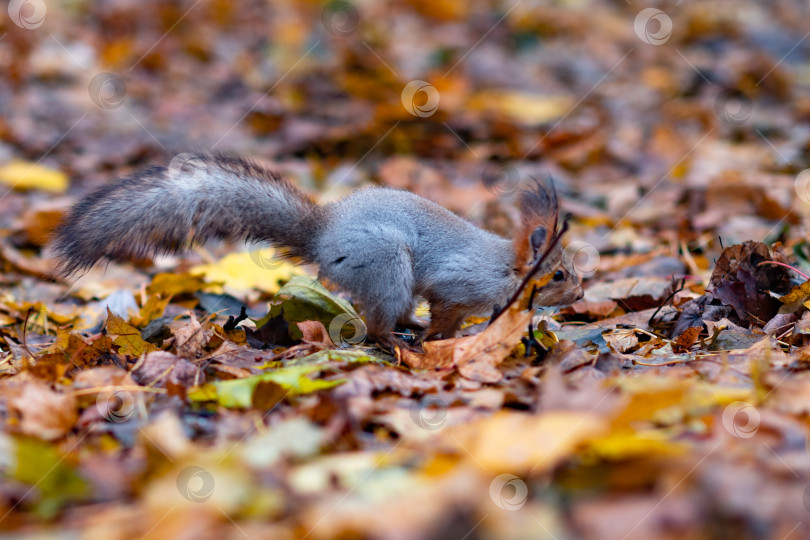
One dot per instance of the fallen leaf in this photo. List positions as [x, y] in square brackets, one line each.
[523, 108]
[40, 411]
[129, 340]
[23, 175]
[523, 443]
[245, 271]
[239, 392]
[303, 298]
[191, 338]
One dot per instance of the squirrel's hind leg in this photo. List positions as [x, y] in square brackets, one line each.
[411, 321]
[445, 320]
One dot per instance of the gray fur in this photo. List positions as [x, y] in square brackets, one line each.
[160, 210]
[387, 246]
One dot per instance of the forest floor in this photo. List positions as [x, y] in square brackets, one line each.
[671, 402]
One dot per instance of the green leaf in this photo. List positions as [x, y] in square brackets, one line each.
[331, 355]
[303, 298]
[41, 465]
[238, 393]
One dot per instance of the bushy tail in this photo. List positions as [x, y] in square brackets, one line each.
[198, 197]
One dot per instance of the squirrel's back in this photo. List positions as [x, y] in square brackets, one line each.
[448, 255]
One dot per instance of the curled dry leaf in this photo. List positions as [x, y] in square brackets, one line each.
[315, 335]
[157, 368]
[621, 339]
[191, 338]
[41, 411]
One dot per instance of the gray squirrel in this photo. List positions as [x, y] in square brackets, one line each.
[386, 247]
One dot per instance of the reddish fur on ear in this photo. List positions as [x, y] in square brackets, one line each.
[538, 208]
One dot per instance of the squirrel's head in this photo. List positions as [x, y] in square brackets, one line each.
[539, 217]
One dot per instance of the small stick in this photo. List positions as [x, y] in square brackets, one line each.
[670, 297]
[25, 329]
[532, 343]
[231, 324]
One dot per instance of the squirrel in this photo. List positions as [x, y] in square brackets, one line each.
[386, 247]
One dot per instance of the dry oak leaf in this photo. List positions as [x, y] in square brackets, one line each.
[40, 411]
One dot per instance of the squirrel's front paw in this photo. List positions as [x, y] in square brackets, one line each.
[390, 342]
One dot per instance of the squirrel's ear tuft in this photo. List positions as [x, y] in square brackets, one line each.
[538, 212]
[539, 203]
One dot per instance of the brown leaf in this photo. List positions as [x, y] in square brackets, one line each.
[687, 338]
[315, 334]
[273, 333]
[597, 310]
[481, 372]
[158, 368]
[40, 411]
[191, 338]
[492, 346]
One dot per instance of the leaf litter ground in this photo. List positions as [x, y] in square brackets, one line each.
[671, 402]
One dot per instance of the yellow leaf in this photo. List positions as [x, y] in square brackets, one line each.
[129, 340]
[174, 284]
[631, 444]
[154, 307]
[249, 270]
[519, 443]
[797, 294]
[523, 108]
[23, 175]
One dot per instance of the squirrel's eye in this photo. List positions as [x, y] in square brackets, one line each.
[558, 275]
